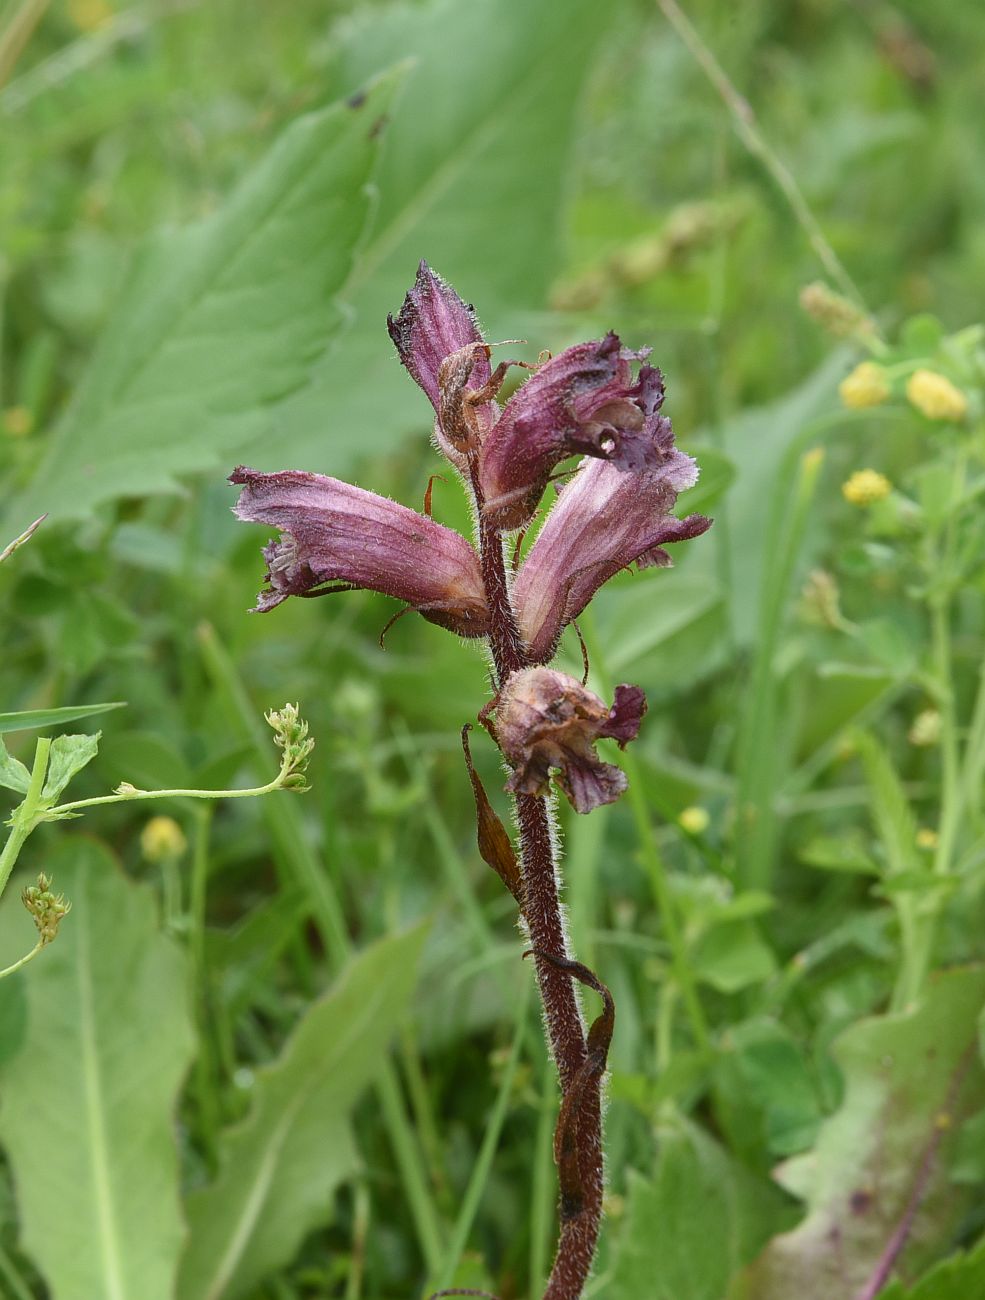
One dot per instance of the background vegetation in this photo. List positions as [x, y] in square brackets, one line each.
[200, 242]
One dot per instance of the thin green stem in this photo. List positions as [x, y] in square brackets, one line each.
[543, 1193]
[16, 966]
[297, 858]
[142, 796]
[25, 816]
[759, 738]
[483, 1165]
[653, 862]
[747, 129]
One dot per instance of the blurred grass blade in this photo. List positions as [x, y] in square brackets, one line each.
[33, 719]
[220, 319]
[89, 1096]
[279, 1168]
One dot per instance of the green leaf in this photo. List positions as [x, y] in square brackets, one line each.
[839, 853]
[891, 812]
[32, 719]
[908, 1078]
[473, 177]
[731, 956]
[962, 1277]
[89, 1095]
[69, 755]
[700, 1218]
[278, 1168]
[220, 319]
[13, 774]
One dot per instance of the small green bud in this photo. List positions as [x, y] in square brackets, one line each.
[46, 907]
[291, 735]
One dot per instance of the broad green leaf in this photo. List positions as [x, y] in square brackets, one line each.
[13, 774]
[473, 177]
[33, 719]
[68, 756]
[731, 956]
[766, 1094]
[87, 1117]
[220, 319]
[279, 1167]
[909, 1078]
[689, 1228]
[962, 1277]
[839, 853]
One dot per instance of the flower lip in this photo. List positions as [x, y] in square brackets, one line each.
[604, 520]
[546, 720]
[335, 533]
[583, 400]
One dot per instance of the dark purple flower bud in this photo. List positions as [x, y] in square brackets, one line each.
[546, 719]
[583, 400]
[603, 521]
[333, 532]
[440, 343]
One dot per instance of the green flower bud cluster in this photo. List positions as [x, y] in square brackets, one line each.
[46, 907]
[291, 735]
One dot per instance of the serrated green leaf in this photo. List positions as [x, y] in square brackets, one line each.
[220, 319]
[278, 1168]
[839, 853]
[13, 774]
[909, 1078]
[689, 1228]
[68, 756]
[89, 1094]
[891, 812]
[34, 719]
[960, 1278]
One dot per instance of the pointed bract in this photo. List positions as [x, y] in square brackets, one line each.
[334, 532]
[439, 342]
[546, 720]
[603, 520]
[583, 400]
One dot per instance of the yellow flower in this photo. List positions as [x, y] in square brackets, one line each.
[865, 487]
[694, 820]
[867, 385]
[926, 838]
[162, 838]
[935, 396]
[925, 728]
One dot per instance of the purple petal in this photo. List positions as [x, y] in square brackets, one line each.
[625, 716]
[335, 532]
[432, 324]
[603, 520]
[583, 400]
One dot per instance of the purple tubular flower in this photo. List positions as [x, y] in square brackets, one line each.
[439, 342]
[546, 719]
[335, 532]
[583, 400]
[603, 521]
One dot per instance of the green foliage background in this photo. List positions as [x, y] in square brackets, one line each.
[206, 211]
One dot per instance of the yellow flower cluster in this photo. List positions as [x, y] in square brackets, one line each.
[865, 487]
[935, 396]
[867, 385]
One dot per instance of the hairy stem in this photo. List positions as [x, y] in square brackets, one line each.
[545, 926]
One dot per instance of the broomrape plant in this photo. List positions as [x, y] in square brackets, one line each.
[614, 510]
